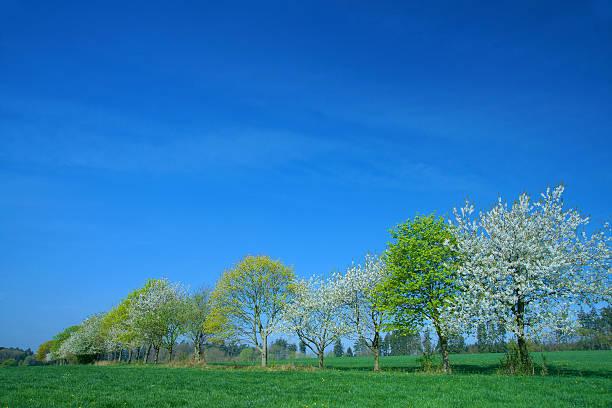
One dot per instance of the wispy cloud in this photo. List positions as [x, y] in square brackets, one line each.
[63, 135]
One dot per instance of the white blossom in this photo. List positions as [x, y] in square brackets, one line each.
[314, 314]
[531, 255]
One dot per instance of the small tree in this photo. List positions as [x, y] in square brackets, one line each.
[87, 342]
[313, 314]
[57, 351]
[527, 266]
[338, 348]
[252, 295]
[43, 350]
[361, 306]
[203, 324]
[349, 352]
[422, 285]
[157, 313]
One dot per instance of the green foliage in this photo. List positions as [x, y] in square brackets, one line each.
[421, 261]
[43, 350]
[338, 349]
[514, 363]
[61, 337]
[249, 354]
[11, 362]
[428, 364]
[252, 296]
[14, 353]
[596, 329]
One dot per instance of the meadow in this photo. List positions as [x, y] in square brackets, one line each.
[575, 379]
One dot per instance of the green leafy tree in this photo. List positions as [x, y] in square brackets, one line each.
[253, 295]
[157, 314]
[338, 349]
[59, 340]
[43, 350]
[422, 284]
[203, 324]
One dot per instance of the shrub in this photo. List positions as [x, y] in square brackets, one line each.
[513, 364]
[11, 362]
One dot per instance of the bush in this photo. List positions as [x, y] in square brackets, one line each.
[512, 364]
[30, 361]
[249, 354]
[428, 365]
[11, 362]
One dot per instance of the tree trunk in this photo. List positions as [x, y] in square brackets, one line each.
[137, 353]
[130, 356]
[443, 340]
[376, 359]
[170, 350]
[321, 356]
[376, 351]
[196, 352]
[444, 351]
[264, 351]
[146, 359]
[156, 354]
[522, 342]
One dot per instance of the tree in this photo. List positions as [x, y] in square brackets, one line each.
[302, 347]
[349, 352]
[117, 331]
[279, 350]
[87, 342]
[174, 313]
[427, 344]
[361, 303]
[57, 352]
[252, 295]
[313, 314]
[422, 285]
[157, 313]
[528, 265]
[456, 344]
[596, 329]
[338, 348]
[202, 323]
[43, 350]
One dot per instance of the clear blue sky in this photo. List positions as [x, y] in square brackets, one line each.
[146, 140]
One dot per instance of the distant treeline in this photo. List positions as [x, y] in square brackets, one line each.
[11, 357]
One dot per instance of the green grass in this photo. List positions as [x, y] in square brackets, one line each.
[577, 379]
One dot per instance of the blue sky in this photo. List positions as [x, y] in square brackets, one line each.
[148, 139]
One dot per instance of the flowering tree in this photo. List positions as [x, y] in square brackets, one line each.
[422, 283]
[252, 296]
[87, 342]
[528, 265]
[314, 315]
[157, 313]
[57, 352]
[360, 302]
[43, 350]
[118, 333]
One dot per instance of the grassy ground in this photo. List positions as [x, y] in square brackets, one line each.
[577, 379]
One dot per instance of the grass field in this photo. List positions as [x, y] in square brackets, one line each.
[576, 379]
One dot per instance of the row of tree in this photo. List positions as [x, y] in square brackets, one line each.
[523, 270]
[14, 356]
